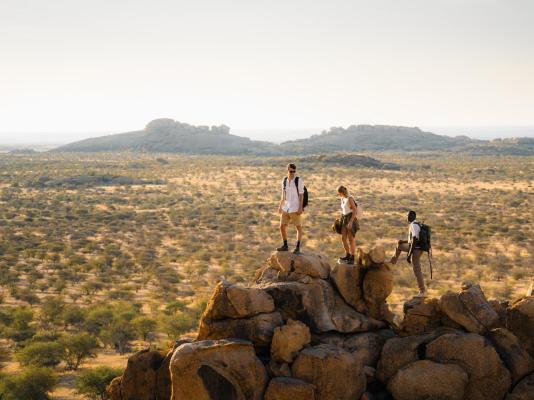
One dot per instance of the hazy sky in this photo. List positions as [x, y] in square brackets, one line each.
[113, 65]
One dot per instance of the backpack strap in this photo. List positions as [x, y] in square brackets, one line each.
[297, 184]
[285, 182]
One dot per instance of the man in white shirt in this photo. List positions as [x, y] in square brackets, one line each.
[291, 206]
[411, 247]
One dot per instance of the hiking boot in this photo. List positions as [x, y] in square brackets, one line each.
[393, 260]
[284, 247]
[296, 251]
[350, 260]
[420, 295]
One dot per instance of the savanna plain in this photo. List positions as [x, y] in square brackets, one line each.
[102, 255]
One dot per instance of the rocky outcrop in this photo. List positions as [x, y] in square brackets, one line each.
[304, 330]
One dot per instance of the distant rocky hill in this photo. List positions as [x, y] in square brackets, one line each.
[376, 138]
[349, 160]
[305, 330]
[167, 135]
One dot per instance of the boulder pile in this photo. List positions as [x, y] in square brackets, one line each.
[305, 330]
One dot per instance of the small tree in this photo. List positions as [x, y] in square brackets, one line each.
[19, 328]
[119, 335]
[40, 354]
[93, 382]
[73, 315]
[77, 348]
[177, 324]
[31, 383]
[52, 310]
[143, 326]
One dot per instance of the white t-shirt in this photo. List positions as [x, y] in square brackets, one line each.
[413, 231]
[345, 205]
[292, 203]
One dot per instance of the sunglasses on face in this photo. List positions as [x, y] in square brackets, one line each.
[291, 171]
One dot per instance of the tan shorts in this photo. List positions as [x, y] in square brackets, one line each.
[294, 218]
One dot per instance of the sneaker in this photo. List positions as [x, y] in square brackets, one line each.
[393, 260]
[344, 259]
[296, 251]
[283, 248]
[350, 260]
[420, 295]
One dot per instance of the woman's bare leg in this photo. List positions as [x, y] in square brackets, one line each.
[344, 240]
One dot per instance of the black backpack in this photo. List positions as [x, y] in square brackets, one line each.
[305, 200]
[425, 234]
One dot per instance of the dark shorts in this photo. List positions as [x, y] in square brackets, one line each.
[345, 222]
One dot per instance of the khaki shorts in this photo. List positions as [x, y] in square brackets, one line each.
[296, 219]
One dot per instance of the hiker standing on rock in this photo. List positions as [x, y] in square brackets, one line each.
[291, 206]
[412, 247]
[349, 224]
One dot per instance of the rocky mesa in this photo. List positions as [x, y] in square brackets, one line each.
[306, 330]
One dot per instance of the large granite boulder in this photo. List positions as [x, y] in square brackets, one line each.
[367, 346]
[524, 390]
[335, 373]
[424, 379]
[421, 315]
[288, 340]
[488, 377]
[289, 389]
[222, 369]
[295, 266]
[515, 357]
[318, 305]
[163, 378]
[348, 280]
[113, 391]
[520, 321]
[140, 378]
[258, 329]
[233, 301]
[377, 286]
[470, 309]
[399, 352]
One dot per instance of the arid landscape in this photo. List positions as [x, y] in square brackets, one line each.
[104, 254]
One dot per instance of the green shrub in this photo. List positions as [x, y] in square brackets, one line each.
[93, 382]
[77, 348]
[32, 383]
[40, 354]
